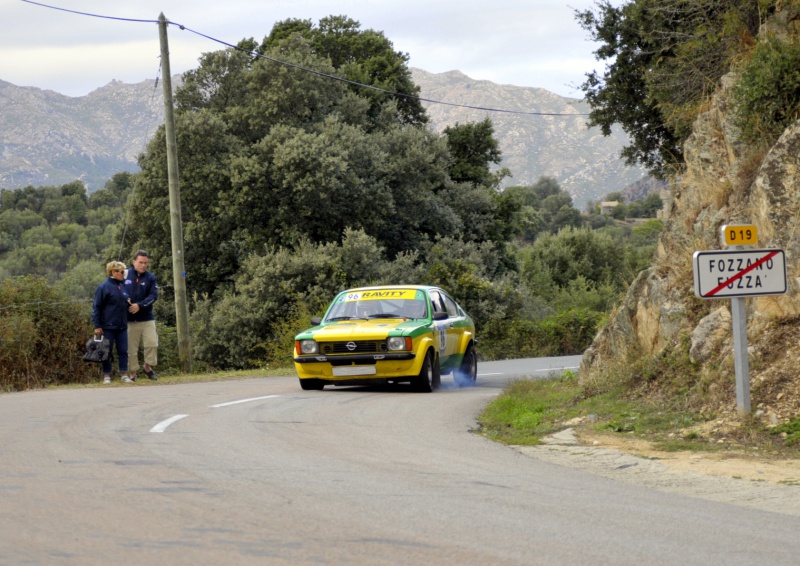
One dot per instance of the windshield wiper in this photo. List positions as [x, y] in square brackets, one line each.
[335, 318]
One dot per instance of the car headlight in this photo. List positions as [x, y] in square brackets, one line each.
[309, 347]
[398, 343]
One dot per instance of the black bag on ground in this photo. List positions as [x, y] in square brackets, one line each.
[98, 349]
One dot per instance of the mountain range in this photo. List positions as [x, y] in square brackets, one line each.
[50, 139]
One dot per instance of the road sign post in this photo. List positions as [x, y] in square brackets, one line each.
[741, 358]
[737, 273]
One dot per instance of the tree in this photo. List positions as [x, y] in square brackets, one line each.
[273, 155]
[573, 253]
[474, 149]
[664, 58]
[361, 56]
[545, 207]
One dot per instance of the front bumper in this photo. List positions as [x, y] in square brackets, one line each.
[386, 366]
[354, 358]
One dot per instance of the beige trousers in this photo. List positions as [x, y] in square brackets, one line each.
[145, 333]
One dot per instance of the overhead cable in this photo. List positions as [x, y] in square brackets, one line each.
[312, 71]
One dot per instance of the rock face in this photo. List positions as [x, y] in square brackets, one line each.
[47, 138]
[726, 182]
[584, 162]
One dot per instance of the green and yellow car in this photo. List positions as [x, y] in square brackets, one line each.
[390, 334]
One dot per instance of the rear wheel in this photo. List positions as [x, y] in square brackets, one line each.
[312, 384]
[467, 374]
[429, 377]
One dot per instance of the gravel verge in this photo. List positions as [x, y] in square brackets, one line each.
[767, 485]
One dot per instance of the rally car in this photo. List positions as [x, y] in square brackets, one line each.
[389, 334]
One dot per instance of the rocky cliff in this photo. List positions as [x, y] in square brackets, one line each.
[661, 322]
[47, 138]
[585, 163]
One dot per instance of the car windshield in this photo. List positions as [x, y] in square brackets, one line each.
[379, 304]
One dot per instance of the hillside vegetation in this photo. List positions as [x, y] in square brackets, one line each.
[295, 186]
[729, 141]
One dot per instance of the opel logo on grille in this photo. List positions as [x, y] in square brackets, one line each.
[351, 346]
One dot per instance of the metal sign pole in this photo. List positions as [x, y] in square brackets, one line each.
[741, 361]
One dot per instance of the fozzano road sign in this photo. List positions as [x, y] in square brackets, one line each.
[725, 274]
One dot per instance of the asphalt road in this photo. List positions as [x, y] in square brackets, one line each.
[258, 471]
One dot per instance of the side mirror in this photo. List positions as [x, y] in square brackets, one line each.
[439, 316]
[316, 321]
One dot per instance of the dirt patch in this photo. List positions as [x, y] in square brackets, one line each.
[769, 485]
[728, 465]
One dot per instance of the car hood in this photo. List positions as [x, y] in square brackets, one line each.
[365, 329]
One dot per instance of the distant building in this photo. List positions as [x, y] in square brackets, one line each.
[607, 206]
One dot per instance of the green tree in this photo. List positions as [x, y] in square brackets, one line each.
[81, 281]
[289, 155]
[768, 93]
[361, 56]
[474, 149]
[651, 205]
[572, 253]
[663, 59]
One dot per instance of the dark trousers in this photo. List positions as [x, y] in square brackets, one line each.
[119, 343]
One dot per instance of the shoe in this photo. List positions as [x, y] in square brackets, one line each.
[151, 374]
[126, 379]
[106, 379]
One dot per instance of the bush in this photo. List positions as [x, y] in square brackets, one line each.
[40, 342]
[767, 96]
[564, 333]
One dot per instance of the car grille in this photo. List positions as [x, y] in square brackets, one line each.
[361, 347]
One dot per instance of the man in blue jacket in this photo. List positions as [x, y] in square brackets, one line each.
[142, 287]
[110, 318]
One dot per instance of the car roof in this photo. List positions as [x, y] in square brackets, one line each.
[377, 287]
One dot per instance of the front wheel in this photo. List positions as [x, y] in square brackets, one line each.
[467, 374]
[312, 384]
[429, 377]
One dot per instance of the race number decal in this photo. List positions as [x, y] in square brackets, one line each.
[378, 294]
[442, 335]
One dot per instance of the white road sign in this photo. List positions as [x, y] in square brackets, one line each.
[736, 273]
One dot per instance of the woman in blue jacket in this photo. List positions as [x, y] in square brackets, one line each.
[110, 318]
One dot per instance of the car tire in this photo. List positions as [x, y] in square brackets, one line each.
[312, 384]
[429, 376]
[467, 374]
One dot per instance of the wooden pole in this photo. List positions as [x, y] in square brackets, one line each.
[176, 224]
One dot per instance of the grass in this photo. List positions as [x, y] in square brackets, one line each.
[531, 409]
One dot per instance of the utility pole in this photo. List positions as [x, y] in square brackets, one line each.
[176, 224]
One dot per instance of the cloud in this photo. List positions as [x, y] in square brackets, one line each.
[521, 42]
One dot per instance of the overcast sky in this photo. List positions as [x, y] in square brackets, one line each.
[533, 43]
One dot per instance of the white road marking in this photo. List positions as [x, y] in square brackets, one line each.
[242, 401]
[162, 426]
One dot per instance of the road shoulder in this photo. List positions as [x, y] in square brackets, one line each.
[761, 484]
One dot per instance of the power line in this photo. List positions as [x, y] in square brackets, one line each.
[88, 13]
[372, 87]
[312, 71]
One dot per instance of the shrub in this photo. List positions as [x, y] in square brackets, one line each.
[564, 333]
[767, 95]
[40, 342]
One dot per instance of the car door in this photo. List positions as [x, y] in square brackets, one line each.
[454, 328]
[440, 326]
